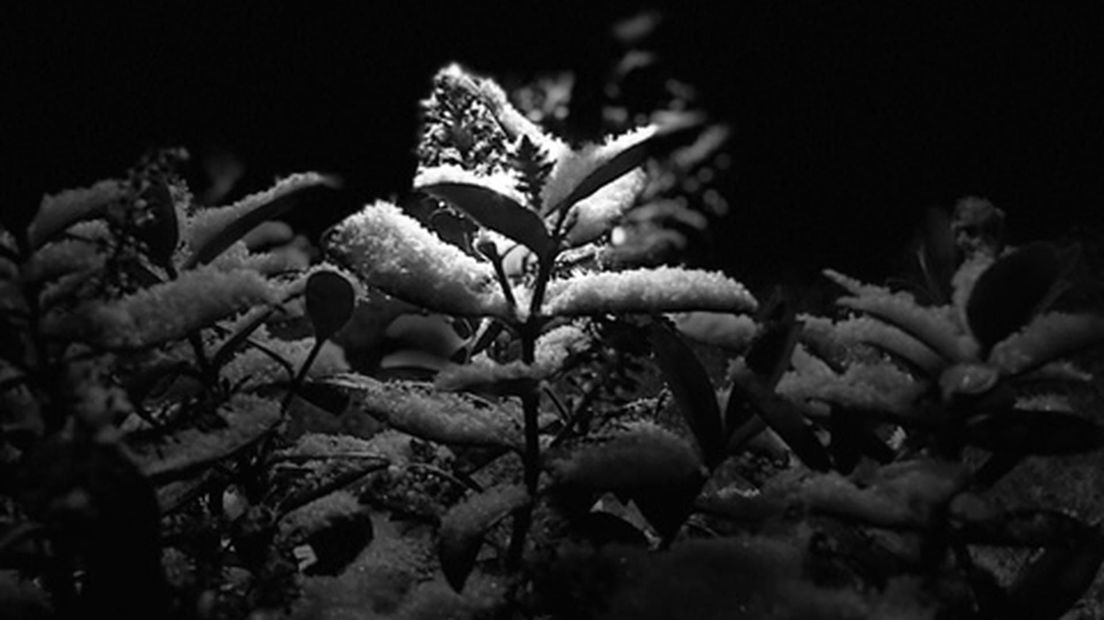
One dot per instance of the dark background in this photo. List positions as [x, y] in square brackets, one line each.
[850, 118]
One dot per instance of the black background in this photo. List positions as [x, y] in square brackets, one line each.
[849, 118]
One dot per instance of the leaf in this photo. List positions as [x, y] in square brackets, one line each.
[247, 419]
[769, 355]
[738, 412]
[1048, 337]
[937, 255]
[690, 385]
[1009, 291]
[665, 139]
[844, 444]
[258, 208]
[434, 334]
[58, 212]
[496, 211]
[336, 527]
[489, 377]
[393, 252]
[325, 397]
[663, 289]
[642, 457]
[1034, 432]
[785, 418]
[997, 466]
[905, 493]
[599, 527]
[1027, 528]
[1050, 585]
[330, 300]
[928, 325]
[162, 234]
[892, 340]
[415, 408]
[465, 524]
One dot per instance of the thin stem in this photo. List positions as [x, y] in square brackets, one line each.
[302, 374]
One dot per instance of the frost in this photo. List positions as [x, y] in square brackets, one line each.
[492, 95]
[416, 409]
[166, 311]
[392, 251]
[555, 346]
[574, 166]
[877, 387]
[484, 375]
[723, 329]
[643, 457]
[664, 289]
[891, 339]
[247, 418]
[202, 227]
[931, 326]
[253, 368]
[1046, 338]
[596, 215]
[60, 211]
[500, 182]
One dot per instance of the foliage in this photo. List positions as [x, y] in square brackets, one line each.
[182, 437]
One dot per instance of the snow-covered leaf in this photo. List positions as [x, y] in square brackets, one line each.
[392, 251]
[465, 524]
[1047, 338]
[212, 231]
[247, 419]
[416, 408]
[488, 205]
[664, 289]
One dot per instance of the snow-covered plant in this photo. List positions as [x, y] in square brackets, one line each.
[137, 359]
[529, 266]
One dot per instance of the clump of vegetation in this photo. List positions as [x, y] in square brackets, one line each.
[182, 436]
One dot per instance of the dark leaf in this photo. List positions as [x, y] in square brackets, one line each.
[1050, 585]
[997, 466]
[665, 140]
[270, 205]
[667, 510]
[465, 524]
[1009, 292]
[330, 301]
[1034, 432]
[152, 381]
[739, 411]
[937, 256]
[769, 355]
[497, 212]
[601, 528]
[844, 444]
[786, 419]
[852, 429]
[692, 389]
[325, 397]
[487, 335]
[338, 544]
[162, 233]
